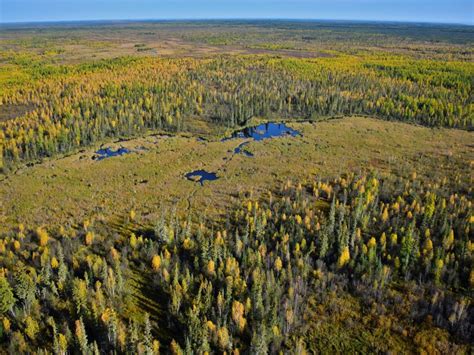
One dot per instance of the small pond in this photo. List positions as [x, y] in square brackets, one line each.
[201, 176]
[108, 153]
[240, 149]
[265, 131]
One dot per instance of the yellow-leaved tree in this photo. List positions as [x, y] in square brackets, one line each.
[156, 262]
[344, 257]
[43, 236]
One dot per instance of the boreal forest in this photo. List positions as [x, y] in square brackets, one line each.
[236, 187]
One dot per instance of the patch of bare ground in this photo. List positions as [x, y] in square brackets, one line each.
[9, 112]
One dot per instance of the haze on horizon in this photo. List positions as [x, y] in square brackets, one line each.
[438, 11]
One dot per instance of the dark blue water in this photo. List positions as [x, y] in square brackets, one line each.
[203, 176]
[108, 153]
[240, 149]
[265, 131]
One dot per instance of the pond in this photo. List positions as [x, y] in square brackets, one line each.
[265, 131]
[201, 176]
[240, 149]
[108, 152]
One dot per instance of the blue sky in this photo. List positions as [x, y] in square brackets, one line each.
[451, 11]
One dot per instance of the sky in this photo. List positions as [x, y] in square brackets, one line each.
[444, 11]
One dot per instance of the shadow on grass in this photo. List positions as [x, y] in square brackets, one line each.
[154, 301]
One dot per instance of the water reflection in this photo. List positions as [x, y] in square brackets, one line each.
[108, 152]
[240, 149]
[201, 176]
[265, 131]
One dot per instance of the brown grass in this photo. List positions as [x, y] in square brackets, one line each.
[68, 189]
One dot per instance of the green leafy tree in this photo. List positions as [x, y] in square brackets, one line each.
[7, 300]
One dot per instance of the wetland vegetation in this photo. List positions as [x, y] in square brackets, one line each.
[330, 202]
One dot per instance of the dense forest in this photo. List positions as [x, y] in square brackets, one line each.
[244, 284]
[75, 106]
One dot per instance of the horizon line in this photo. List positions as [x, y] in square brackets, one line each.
[33, 22]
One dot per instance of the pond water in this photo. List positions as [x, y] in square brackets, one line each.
[201, 176]
[240, 149]
[265, 131]
[108, 153]
[261, 132]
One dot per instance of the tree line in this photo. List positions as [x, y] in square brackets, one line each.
[79, 106]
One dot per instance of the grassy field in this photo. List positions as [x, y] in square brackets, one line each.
[65, 190]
